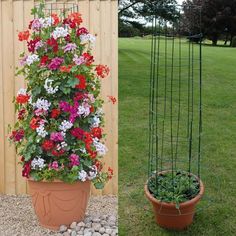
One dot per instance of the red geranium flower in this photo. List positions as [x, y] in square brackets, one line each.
[81, 31]
[112, 99]
[32, 43]
[65, 68]
[35, 122]
[30, 24]
[55, 113]
[97, 132]
[21, 98]
[92, 154]
[53, 43]
[26, 169]
[17, 135]
[67, 38]
[75, 18]
[78, 96]
[24, 35]
[102, 71]
[98, 164]
[55, 18]
[82, 82]
[44, 60]
[48, 145]
[58, 153]
[91, 109]
[88, 58]
[78, 133]
[88, 138]
[21, 114]
[110, 172]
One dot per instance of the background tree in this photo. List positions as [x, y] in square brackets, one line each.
[134, 14]
[218, 18]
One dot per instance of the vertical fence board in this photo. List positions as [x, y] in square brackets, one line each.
[18, 19]
[8, 93]
[94, 28]
[2, 137]
[84, 10]
[100, 17]
[114, 92]
[105, 52]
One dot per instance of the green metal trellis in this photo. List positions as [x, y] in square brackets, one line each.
[175, 108]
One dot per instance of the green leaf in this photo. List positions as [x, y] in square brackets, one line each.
[74, 69]
[99, 185]
[72, 81]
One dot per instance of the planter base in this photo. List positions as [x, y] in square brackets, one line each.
[57, 203]
[166, 214]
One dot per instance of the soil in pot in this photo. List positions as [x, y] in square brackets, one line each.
[175, 199]
[57, 203]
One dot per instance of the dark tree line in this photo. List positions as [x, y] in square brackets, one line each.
[131, 11]
[218, 17]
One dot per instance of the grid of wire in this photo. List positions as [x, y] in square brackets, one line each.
[62, 9]
[175, 107]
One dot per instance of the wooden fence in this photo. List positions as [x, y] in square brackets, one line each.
[100, 17]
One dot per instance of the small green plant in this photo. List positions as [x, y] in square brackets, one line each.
[176, 188]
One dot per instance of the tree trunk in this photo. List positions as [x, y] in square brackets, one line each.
[226, 39]
[231, 40]
[214, 42]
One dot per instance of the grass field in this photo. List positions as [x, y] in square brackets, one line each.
[217, 213]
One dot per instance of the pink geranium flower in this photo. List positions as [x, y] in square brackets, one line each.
[55, 63]
[56, 136]
[74, 160]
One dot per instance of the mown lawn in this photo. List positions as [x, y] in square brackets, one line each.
[217, 212]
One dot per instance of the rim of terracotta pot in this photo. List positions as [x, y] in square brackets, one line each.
[171, 205]
[56, 181]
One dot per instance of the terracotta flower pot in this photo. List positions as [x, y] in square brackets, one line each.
[57, 203]
[166, 214]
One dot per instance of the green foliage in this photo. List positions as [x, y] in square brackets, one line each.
[178, 188]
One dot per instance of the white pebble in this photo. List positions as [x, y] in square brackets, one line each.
[81, 224]
[73, 225]
[96, 226]
[62, 228]
[108, 231]
[102, 230]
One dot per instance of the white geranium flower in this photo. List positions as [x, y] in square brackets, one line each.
[96, 121]
[87, 38]
[65, 125]
[42, 103]
[46, 22]
[31, 59]
[38, 163]
[84, 110]
[59, 32]
[48, 86]
[82, 175]
[22, 91]
[92, 172]
[100, 147]
[41, 131]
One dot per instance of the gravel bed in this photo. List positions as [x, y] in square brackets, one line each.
[17, 218]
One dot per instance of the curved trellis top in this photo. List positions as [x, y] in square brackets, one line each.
[175, 120]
